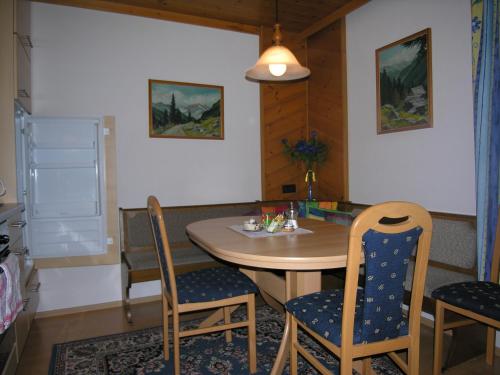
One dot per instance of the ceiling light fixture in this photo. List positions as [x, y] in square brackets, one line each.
[277, 63]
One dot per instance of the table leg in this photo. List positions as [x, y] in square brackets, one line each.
[276, 305]
[296, 284]
[284, 349]
[269, 282]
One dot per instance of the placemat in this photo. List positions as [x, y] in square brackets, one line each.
[263, 233]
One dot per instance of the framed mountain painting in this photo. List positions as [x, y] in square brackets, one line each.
[404, 84]
[185, 110]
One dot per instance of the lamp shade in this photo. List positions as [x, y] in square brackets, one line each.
[277, 63]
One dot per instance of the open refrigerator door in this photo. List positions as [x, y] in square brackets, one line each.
[64, 192]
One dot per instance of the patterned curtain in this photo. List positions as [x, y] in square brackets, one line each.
[486, 76]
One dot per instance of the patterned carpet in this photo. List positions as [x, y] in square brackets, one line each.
[140, 352]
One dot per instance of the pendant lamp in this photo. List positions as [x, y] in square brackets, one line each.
[277, 63]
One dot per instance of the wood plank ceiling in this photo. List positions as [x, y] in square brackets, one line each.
[243, 15]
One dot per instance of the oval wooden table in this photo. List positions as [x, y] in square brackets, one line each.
[302, 256]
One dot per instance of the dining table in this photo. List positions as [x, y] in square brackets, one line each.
[300, 256]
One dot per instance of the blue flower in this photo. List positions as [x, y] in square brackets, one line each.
[308, 151]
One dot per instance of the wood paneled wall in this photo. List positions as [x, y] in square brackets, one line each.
[327, 109]
[283, 115]
[293, 110]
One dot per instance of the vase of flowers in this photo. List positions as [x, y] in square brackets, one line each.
[311, 153]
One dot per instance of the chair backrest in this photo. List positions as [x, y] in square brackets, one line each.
[386, 235]
[163, 250]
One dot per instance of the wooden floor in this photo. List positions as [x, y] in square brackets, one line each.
[48, 331]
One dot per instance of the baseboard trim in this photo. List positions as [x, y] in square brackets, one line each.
[97, 306]
[77, 309]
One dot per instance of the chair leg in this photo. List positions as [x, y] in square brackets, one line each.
[367, 366]
[252, 339]
[227, 320]
[177, 345]
[166, 350]
[363, 366]
[293, 348]
[438, 337]
[490, 346]
[414, 356]
[345, 365]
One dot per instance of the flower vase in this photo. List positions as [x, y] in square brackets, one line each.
[310, 178]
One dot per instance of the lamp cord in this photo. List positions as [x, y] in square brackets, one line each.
[276, 10]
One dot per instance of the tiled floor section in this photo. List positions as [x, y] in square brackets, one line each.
[48, 331]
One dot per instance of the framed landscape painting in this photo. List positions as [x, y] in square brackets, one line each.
[185, 110]
[404, 84]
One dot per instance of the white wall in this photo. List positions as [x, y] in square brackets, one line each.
[89, 63]
[435, 166]
[79, 286]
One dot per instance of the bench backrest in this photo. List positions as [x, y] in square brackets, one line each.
[452, 254]
[135, 231]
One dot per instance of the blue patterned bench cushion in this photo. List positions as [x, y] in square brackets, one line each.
[213, 284]
[322, 313]
[481, 297]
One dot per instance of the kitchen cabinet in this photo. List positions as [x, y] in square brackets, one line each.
[22, 52]
[22, 20]
[25, 317]
[13, 340]
[8, 352]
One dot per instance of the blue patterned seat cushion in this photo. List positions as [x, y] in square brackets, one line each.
[322, 313]
[481, 297]
[212, 284]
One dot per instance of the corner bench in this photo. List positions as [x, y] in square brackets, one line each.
[452, 257]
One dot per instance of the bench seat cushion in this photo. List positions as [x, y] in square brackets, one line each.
[145, 260]
[213, 284]
[190, 255]
[481, 297]
[141, 260]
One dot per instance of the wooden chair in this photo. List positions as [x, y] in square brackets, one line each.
[477, 301]
[355, 323]
[218, 287]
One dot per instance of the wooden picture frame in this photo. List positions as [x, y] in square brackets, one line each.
[404, 84]
[185, 110]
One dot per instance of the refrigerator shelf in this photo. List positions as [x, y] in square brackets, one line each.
[90, 164]
[52, 146]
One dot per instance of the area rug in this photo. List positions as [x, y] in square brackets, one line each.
[140, 352]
